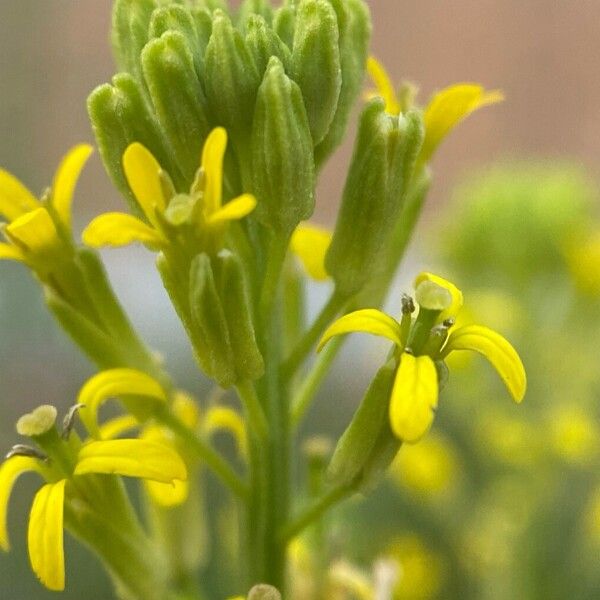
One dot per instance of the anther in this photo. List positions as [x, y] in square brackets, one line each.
[69, 420]
[408, 305]
[24, 450]
[449, 322]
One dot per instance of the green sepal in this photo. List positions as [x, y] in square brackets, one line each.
[357, 448]
[316, 63]
[248, 8]
[284, 24]
[354, 23]
[120, 115]
[130, 31]
[263, 42]
[382, 455]
[178, 98]
[232, 79]
[282, 153]
[209, 318]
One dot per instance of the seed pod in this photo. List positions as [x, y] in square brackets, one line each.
[282, 153]
[354, 23]
[120, 115]
[231, 78]
[248, 8]
[359, 447]
[263, 42]
[316, 63]
[178, 98]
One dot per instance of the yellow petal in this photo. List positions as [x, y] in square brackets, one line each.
[457, 296]
[497, 350]
[221, 418]
[132, 458]
[414, 398]
[142, 171]
[212, 165]
[448, 108]
[234, 210]
[368, 320]
[15, 198]
[111, 384]
[186, 408]
[116, 427]
[10, 471]
[65, 181]
[310, 244]
[385, 87]
[36, 233]
[10, 252]
[118, 229]
[45, 536]
[168, 494]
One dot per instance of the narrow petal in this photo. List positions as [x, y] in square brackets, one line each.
[168, 495]
[234, 210]
[414, 398]
[385, 87]
[15, 198]
[457, 296]
[310, 245]
[116, 427]
[368, 320]
[45, 536]
[10, 471]
[448, 108]
[142, 171]
[221, 418]
[212, 165]
[132, 458]
[10, 252]
[497, 350]
[118, 229]
[36, 233]
[66, 179]
[112, 384]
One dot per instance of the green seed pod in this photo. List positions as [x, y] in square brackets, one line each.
[282, 153]
[263, 42]
[232, 78]
[209, 318]
[316, 63]
[284, 24]
[120, 115]
[248, 8]
[358, 446]
[235, 301]
[354, 23]
[178, 98]
[129, 34]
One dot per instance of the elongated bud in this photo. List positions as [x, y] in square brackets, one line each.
[120, 115]
[378, 178]
[282, 153]
[212, 4]
[360, 445]
[178, 98]
[130, 31]
[354, 23]
[316, 63]
[232, 78]
[263, 42]
[254, 7]
[284, 24]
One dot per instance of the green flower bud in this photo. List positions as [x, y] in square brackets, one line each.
[120, 115]
[248, 8]
[203, 21]
[262, 591]
[263, 42]
[213, 4]
[354, 23]
[360, 446]
[282, 153]
[316, 63]
[380, 172]
[232, 78]
[178, 98]
[284, 24]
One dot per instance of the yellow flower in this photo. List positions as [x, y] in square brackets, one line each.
[199, 216]
[64, 479]
[39, 231]
[446, 109]
[423, 344]
[582, 254]
[310, 244]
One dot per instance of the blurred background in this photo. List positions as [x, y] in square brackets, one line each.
[500, 502]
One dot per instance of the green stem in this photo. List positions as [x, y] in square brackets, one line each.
[207, 454]
[313, 380]
[254, 410]
[275, 260]
[314, 511]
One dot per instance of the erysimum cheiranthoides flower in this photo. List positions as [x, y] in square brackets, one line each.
[421, 346]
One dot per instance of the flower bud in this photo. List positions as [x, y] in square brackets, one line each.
[262, 591]
[248, 8]
[263, 42]
[316, 63]
[178, 98]
[360, 450]
[282, 153]
[284, 23]
[354, 23]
